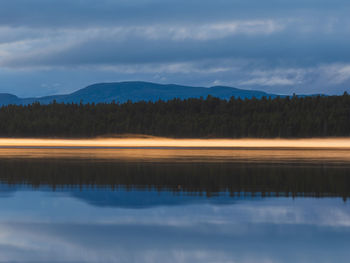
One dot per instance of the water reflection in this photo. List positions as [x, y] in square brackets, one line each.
[197, 178]
[112, 210]
[184, 154]
[45, 226]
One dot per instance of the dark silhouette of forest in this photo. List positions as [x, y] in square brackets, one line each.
[209, 179]
[310, 116]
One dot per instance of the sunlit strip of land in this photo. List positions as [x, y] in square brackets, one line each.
[182, 143]
[181, 150]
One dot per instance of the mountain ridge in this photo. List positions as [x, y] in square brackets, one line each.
[135, 91]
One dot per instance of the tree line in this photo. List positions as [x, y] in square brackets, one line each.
[288, 117]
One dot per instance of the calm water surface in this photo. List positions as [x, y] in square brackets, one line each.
[209, 206]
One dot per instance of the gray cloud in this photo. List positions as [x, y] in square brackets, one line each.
[275, 42]
[48, 13]
[282, 46]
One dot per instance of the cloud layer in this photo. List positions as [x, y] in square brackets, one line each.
[277, 46]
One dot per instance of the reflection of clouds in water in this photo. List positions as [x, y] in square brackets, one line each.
[44, 226]
[153, 243]
[61, 207]
[313, 213]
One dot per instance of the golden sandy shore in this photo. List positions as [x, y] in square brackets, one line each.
[181, 150]
[192, 143]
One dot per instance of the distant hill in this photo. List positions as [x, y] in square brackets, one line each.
[136, 91]
[6, 99]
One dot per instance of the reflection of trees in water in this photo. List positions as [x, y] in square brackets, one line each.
[207, 178]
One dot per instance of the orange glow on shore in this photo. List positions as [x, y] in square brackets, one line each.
[182, 150]
[192, 143]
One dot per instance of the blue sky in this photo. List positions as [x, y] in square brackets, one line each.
[280, 46]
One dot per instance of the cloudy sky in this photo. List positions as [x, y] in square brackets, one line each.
[280, 46]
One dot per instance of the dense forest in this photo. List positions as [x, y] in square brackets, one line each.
[311, 116]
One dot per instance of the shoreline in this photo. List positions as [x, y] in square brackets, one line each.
[156, 142]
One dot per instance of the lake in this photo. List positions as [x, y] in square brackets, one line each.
[174, 205]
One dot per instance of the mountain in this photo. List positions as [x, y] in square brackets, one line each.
[136, 91]
[6, 99]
